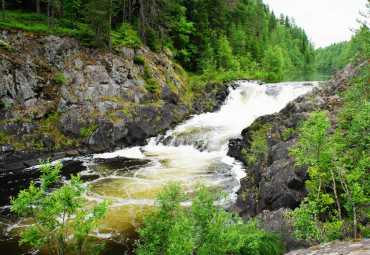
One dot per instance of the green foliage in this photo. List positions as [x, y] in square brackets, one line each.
[5, 104]
[338, 165]
[335, 57]
[60, 219]
[96, 15]
[258, 145]
[151, 83]
[273, 60]
[87, 131]
[202, 228]
[17, 119]
[288, 133]
[3, 139]
[305, 221]
[139, 60]
[60, 78]
[203, 35]
[313, 150]
[126, 36]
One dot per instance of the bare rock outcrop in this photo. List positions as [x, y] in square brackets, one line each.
[57, 95]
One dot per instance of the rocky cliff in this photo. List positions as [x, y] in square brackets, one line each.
[60, 98]
[273, 184]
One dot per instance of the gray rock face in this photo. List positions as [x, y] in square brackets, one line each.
[88, 87]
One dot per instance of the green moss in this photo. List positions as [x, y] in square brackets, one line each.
[88, 131]
[288, 133]
[151, 83]
[258, 144]
[6, 46]
[3, 139]
[172, 86]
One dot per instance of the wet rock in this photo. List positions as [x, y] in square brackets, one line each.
[277, 221]
[7, 148]
[120, 131]
[100, 139]
[293, 122]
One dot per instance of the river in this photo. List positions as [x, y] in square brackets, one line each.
[195, 150]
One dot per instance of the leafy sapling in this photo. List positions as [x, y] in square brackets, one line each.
[60, 218]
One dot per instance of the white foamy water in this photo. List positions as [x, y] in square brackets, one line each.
[194, 151]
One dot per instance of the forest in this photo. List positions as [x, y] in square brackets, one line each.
[205, 36]
[334, 57]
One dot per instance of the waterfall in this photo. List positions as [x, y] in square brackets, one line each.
[195, 150]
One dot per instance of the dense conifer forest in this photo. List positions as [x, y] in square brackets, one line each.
[204, 35]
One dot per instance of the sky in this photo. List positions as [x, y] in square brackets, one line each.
[325, 21]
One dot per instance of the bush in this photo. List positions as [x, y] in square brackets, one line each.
[151, 83]
[139, 60]
[60, 219]
[258, 145]
[126, 36]
[88, 131]
[60, 78]
[202, 228]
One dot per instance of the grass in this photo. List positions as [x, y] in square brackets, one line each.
[32, 22]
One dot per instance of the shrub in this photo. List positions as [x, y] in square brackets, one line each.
[126, 36]
[60, 219]
[88, 131]
[139, 60]
[258, 145]
[60, 78]
[202, 228]
[151, 83]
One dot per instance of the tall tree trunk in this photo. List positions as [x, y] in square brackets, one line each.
[52, 14]
[3, 9]
[62, 9]
[38, 7]
[110, 25]
[336, 194]
[48, 13]
[129, 10]
[124, 11]
[141, 20]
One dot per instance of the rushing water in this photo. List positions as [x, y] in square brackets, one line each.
[193, 151]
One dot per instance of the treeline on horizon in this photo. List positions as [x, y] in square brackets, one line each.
[334, 57]
[204, 35]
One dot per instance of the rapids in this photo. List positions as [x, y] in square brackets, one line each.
[195, 150]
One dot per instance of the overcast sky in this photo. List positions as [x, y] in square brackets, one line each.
[325, 21]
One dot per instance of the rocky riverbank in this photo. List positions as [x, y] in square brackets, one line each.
[59, 98]
[350, 247]
[273, 184]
